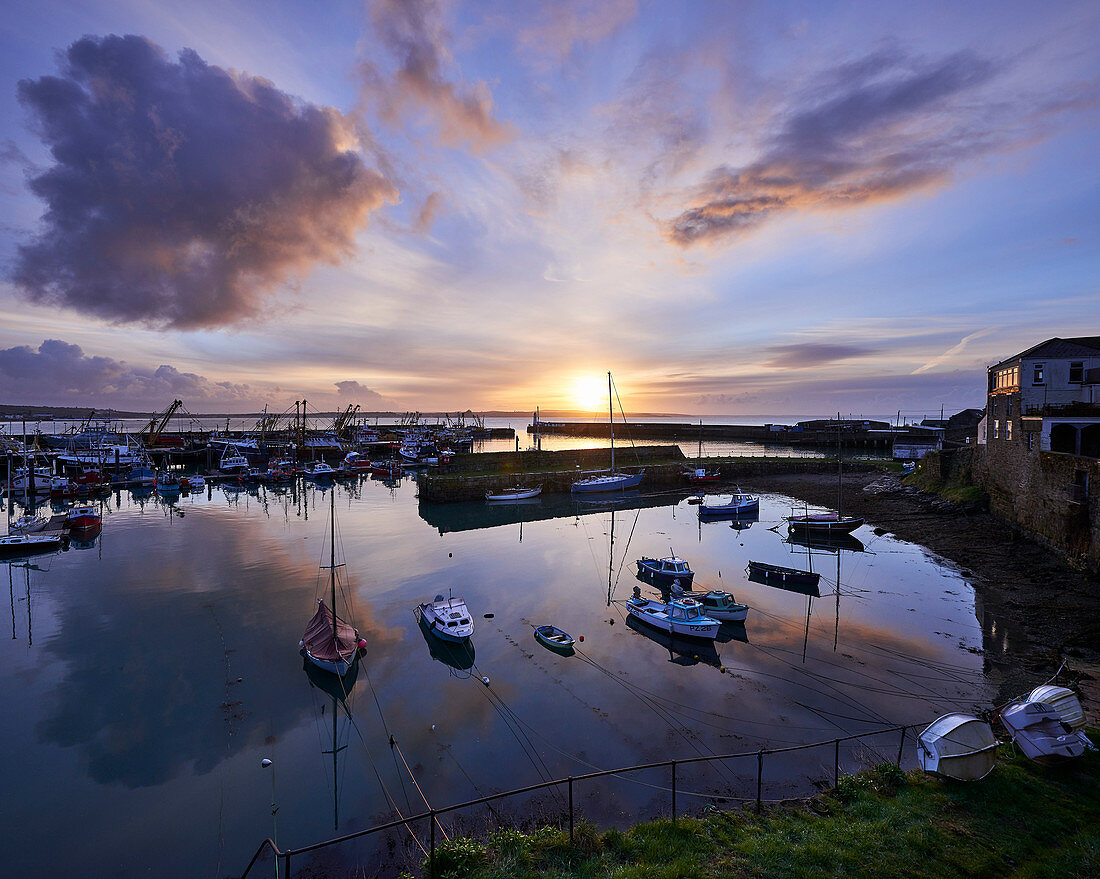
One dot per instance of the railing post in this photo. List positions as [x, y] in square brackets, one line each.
[570, 809]
[286, 866]
[901, 745]
[836, 762]
[673, 791]
[759, 777]
[431, 850]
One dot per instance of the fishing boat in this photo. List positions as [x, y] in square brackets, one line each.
[553, 638]
[720, 605]
[319, 470]
[330, 643]
[666, 571]
[957, 746]
[354, 463]
[610, 481]
[232, 461]
[680, 616]
[142, 476]
[1038, 730]
[387, 469]
[22, 545]
[447, 618]
[513, 494]
[786, 576]
[168, 483]
[193, 481]
[738, 505]
[83, 519]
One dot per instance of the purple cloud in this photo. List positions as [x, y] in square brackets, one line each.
[880, 128]
[180, 193]
[353, 392]
[803, 356]
[413, 32]
[60, 373]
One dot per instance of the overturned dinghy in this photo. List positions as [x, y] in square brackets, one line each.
[1064, 701]
[957, 746]
[1038, 731]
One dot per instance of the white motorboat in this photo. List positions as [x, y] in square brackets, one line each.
[21, 545]
[680, 616]
[513, 494]
[28, 524]
[447, 618]
[1038, 731]
[957, 746]
[319, 470]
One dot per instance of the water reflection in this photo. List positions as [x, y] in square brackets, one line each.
[164, 664]
[459, 657]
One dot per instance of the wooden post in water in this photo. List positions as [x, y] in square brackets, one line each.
[759, 778]
[901, 745]
[673, 791]
[570, 809]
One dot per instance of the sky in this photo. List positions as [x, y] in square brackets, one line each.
[736, 208]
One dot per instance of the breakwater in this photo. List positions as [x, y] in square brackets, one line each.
[879, 438]
[471, 476]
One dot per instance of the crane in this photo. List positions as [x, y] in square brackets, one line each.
[158, 422]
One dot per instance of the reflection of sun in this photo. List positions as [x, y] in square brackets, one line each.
[589, 392]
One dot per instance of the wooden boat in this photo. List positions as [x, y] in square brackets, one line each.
[738, 505]
[611, 481]
[447, 618]
[666, 571]
[553, 638]
[330, 643]
[824, 523]
[513, 494]
[787, 576]
[957, 746]
[680, 616]
[1038, 731]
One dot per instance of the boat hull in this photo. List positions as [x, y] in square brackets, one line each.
[810, 525]
[656, 614]
[553, 638]
[613, 482]
[338, 667]
[517, 494]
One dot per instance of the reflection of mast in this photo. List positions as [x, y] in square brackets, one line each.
[11, 592]
[339, 690]
[611, 544]
[336, 749]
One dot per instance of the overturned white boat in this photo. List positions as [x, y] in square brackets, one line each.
[1038, 731]
[957, 746]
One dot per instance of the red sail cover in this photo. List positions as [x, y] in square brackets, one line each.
[318, 637]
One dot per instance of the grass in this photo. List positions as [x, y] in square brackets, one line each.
[1022, 820]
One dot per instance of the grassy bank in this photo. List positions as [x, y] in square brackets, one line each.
[1023, 820]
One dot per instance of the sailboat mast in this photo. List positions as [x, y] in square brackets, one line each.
[332, 569]
[611, 421]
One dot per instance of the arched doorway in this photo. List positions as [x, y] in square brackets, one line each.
[1090, 441]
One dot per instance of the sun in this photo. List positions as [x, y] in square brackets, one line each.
[589, 393]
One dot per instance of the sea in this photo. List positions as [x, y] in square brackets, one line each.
[152, 670]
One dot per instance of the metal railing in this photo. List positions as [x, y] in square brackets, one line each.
[432, 814]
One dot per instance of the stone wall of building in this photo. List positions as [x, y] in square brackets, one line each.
[1041, 493]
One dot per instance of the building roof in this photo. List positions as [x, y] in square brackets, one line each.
[1081, 346]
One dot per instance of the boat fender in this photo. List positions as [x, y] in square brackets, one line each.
[362, 645]
[582, 637]
[485, 680]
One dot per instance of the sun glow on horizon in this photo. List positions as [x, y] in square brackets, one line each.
[589, 393]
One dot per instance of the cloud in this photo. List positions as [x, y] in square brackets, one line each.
[559, 26]
[805, 356]
[428, 211]
[361, 394]
[412, 31]
[181, 193]
[883, 127]
[61, 373]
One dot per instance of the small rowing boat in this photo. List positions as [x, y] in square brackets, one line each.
[554, 639]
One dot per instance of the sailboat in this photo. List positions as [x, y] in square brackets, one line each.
[329, 642]
[611, 481]
[832, 524]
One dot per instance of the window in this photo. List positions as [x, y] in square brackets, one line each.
[1076, 372]
[1037, 377]
[1008, 378]
[1008, 430]
[1008, 407]
[996, 428]
[1030, 440]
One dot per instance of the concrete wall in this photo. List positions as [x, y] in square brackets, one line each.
[1034, 492]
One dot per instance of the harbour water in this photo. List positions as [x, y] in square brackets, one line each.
[149, 673]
